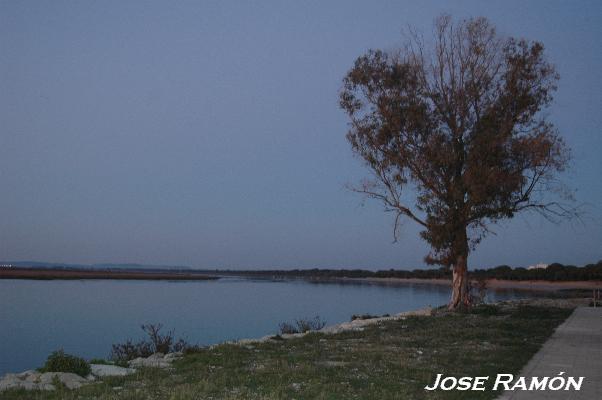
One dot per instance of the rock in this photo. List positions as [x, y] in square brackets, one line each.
[157, 360]
[46, 386]
[25, 374]
[173, 356]
[70, 380]
[33, 380]
[27, 380]
[101, 370]
[47, 377]
[27, 385]
[9, 381]
[154, 362]
[33, 376]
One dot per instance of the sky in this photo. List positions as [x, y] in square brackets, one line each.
[209, 134]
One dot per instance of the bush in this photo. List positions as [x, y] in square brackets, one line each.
[156, 343]
[286, 328]
[129, 350]
[59, 361]
[100, 361]
[302, 325]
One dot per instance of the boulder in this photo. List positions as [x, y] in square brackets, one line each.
[9, 381]
[28, 380]
[157, 360]
[149, 362]
[33, 380]
[173, 356]
[26, 374]
[70, 380]
[102, 370]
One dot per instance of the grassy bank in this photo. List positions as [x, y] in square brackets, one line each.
[390, 360]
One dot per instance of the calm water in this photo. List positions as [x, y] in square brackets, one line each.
[86, 317]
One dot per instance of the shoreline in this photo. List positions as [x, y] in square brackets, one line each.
[501, 284]
[79, 274]
[73, 274]
[268, 351]
[491, 283]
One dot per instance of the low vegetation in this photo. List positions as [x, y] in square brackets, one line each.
[390, 360]
[156, 343]
[302, 325]
[59, 361]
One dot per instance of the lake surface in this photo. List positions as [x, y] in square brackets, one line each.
[85, 317]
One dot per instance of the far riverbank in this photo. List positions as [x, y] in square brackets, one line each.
[491, 283]
[67, 274]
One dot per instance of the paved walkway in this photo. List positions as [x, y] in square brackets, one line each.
[575, 348]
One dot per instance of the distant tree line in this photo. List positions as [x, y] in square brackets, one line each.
[554, 272]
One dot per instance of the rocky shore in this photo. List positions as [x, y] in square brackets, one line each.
[35, 380]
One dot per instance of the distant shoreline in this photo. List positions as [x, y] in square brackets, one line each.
[74, 274]
[491, 283]
[538, 285]
[77, 274]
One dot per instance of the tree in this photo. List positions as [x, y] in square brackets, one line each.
[455, 136]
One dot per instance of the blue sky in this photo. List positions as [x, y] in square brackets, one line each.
[209, 134]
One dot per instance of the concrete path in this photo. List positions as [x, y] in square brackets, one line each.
[575, 348]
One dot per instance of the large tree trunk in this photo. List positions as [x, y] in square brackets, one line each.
[460, 289]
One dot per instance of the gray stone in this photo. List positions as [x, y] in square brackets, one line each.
[70, 380]
[156, 360]
[46, 386]
[25, 374]
[174, 355]
[9, 382]
[110, 370]
[47, 377]
[33, 380]
[33, 376]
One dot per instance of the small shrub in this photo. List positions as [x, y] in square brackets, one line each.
[129, 350]
[160, 343]
[100, 361]
[156, 343]
[59, 361]
[302, 325]
[286, 328]
[306, 325]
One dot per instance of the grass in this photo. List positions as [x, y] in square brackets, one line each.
[391, 360]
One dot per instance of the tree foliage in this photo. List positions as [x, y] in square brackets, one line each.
[454, 133]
